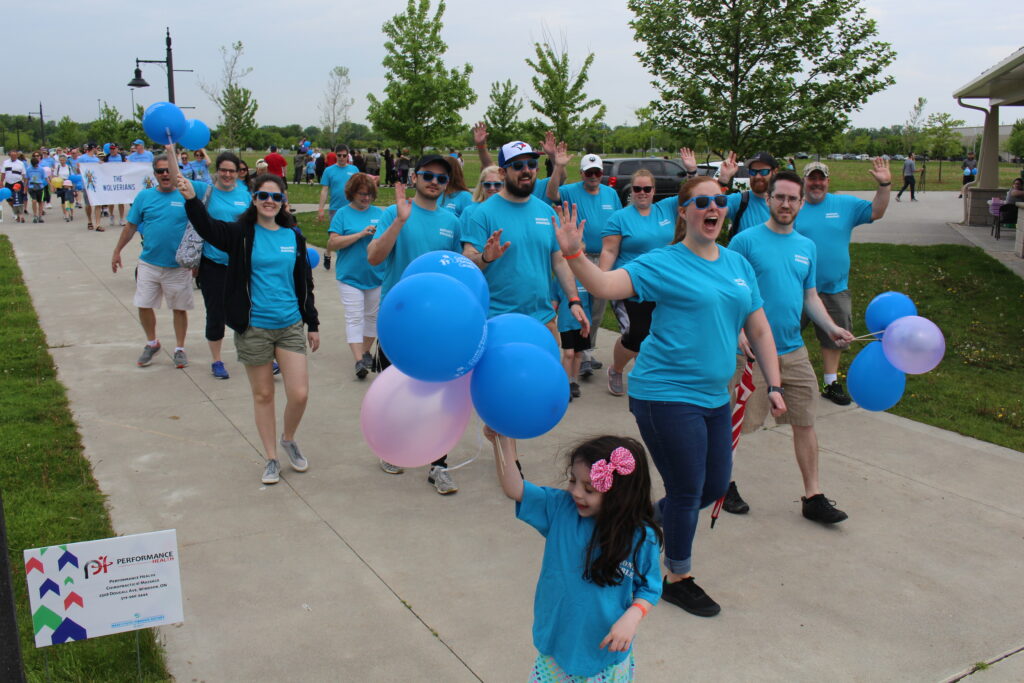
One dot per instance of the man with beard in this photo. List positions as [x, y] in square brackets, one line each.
[750, 207]
[785, 264]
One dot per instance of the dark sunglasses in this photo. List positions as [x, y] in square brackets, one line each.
[493, 184]
[161, 171]
[593, 172]
[642, 188]
[702, 201]
[263, 196]
[442, 178]
[519, 164]
[760, 171]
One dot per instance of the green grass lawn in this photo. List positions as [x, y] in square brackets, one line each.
[50, 496]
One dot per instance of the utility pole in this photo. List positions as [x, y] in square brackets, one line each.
[42, 126]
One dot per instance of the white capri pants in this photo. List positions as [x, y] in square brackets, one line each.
[361, 307]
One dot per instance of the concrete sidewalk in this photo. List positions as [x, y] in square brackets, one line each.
[346, 573]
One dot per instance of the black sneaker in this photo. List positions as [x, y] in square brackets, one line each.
[574, 390]
[733, 502]
[820, 509]
[835, 393]
[327, 260]
[586, 369]
[691, 597]
[361, 369]
[595, 364]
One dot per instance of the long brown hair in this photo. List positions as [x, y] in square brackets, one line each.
[685, 192]
[284, 217]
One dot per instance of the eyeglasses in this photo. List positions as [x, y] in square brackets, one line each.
[161, 171]
[493, 184]
[702, 201]
[428, 176]
[225, 169]
[263, 196]
[593, 172]
[519, 164]
[642, 188]
[785, 199]
[760, 171]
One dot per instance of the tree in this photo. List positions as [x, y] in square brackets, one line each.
[912, 131]
[422, 98]
[109, 127]
[335, 105]
[236, 104]
[502, 117]
[750, 75]
[562, 96]
[68, 133]
[939, 138]
[1015, 145]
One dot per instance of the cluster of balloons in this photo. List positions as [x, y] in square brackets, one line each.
[447, 358]
[165, 123]
[909, 344]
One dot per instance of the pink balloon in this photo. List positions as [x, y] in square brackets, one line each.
[913, 344]
[410, 423]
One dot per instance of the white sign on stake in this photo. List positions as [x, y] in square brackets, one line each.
[94, 588]
[116, 182]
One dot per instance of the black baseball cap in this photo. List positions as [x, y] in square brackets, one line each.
[433, 159]
[764, 158]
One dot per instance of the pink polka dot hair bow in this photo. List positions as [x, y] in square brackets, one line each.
[620, 461]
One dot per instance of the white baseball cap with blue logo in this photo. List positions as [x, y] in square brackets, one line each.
[515, 149]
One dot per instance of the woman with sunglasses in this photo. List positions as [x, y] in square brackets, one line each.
[487, 185]
[456, 196]
[243, 174]
[678, 390]
[268, 297]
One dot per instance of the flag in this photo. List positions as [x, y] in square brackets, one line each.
[744, 390]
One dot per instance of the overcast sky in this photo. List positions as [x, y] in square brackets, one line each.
[86, 51]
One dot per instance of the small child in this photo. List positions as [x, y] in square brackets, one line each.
[574, 339]
[600, 574]
[67, 197]
[310, 170]
[18, 200]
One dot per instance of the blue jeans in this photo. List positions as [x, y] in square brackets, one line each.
[692, 448]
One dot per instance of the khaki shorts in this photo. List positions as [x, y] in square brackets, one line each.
[256, 345]
[799, 383]
[840, 310]
[173, 285]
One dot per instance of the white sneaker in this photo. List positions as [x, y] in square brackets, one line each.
[442, 480]
[389, 468]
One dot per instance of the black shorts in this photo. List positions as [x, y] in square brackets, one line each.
[639, 316]
[574, 340]
[36, 194]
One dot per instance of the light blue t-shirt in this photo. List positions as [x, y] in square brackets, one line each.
[199, 170]
[48, 162]
[640, 234]
[146, 156]
[86, 159]
[784, 265]
[114, 158]
[335, 178]
[566, 320]
[160, 217]
[455, 203]
[595, 208]
[756, 212]
[310, 167]
[36, 177]
[688, 357]
[570, 614]
[540, 190]
[352, 267]
[224, 206]
[829, 225]
[425, 231]
[274, 303]
[520, 281]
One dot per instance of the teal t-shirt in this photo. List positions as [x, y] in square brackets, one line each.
[595, 208]
[224, 206]
[640, 234]
[566, 320]
[520, 281]
[425, 231]
[784, 265]
[160, 218]
[274, 303]
[352, 267]
[688, 357]
[455, 203]
[540, 190]
[335, 178]
[829, 224]
[756, 212]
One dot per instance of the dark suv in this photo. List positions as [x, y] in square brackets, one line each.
[668, 174]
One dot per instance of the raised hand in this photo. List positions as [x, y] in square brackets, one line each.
[185, 188]
[688, 158]
[403, 206]
[480, 134]
[880, 171]
[493, 248]
[728, 169]
[562, 154]
[549, 146]
[568, 228]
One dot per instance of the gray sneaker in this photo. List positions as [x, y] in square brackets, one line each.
[298, 463]
[272, 472]
[180, 359]
[615, 387]
[389, 468]
[441, 480]
[147, 355]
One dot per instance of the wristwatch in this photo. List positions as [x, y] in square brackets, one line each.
[775, 389]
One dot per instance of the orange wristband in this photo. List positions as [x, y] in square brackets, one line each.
[576, 255]
[640, 607]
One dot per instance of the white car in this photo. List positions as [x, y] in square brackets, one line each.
[740, 181]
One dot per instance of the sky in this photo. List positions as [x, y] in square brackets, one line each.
[941, 45]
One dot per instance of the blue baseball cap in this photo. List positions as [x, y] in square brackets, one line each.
[515, 149]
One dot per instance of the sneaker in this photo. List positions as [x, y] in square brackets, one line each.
[298, 463]
[389, 468]
[595, 364]
[147, 355]
[277, 368]
[897, 198]
[327, 260]
[368, 361]
[586, 369]
[272, 472]
[441, 480]
[574, 390]
[835, 393]
[615, 387]
[218, 370]
[691, 597]
[180, 359]
[820, 509]
[733, 502]
[361, 370]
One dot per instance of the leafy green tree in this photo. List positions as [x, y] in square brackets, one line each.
[939, 138]
[68, 133]
[109, 127]
[912, 129]
[750, 75]
[422, 98]
[502, 117]
[562, 96]
[236, 104]
[1015, 145]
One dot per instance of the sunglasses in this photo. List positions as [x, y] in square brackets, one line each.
[161, 171]
[519, 164]
[642, 188]
[442, 178]
[493, 184]
[702, 201]
[760, 171]
[593, 172]
[263, 196]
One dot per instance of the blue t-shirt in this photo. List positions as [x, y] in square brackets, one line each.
[595, 208]
[566, 320]
[335, 178]
[829, 225]
[198, 170]
[274, 303]
[352, 267]
[455, 203]
[48, 162]
[36, 177]
[570, 614]
[520, 281]
[784, 265]
[310, 167]
[224, 206]
[425, 231]
[114, 158]
[540, 190]
[640, 234]
[87, 159]
[160, 217]
[688, 357]
[756, 212]
[146, 156]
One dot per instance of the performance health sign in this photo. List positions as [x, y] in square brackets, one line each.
[95, 588]
[116, 182]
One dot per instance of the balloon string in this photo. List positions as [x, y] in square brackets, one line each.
[479, 450]
[869, 335]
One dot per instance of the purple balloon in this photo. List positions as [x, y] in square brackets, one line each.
[410, 423]
[913, 344]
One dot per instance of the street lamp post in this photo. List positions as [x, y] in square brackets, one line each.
[168, 61]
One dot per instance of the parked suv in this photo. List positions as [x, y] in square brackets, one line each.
[668, 174]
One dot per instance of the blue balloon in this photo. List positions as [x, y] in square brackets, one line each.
[518, 328]
[885, 308]
[519, 390]
[873, 381]
[432, 328]
[106, 148]
[454, 265]
[197, 136]
[313, 256]
[164, 122]
[76, 179]
[5, 194]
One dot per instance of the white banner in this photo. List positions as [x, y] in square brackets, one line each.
[94, 588]
[116, 182]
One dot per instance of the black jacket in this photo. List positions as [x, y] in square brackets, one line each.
[237, 240]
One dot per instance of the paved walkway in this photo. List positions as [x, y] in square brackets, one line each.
[345, 573]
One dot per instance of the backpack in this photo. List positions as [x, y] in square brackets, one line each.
[190, 250]
[734, 227]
